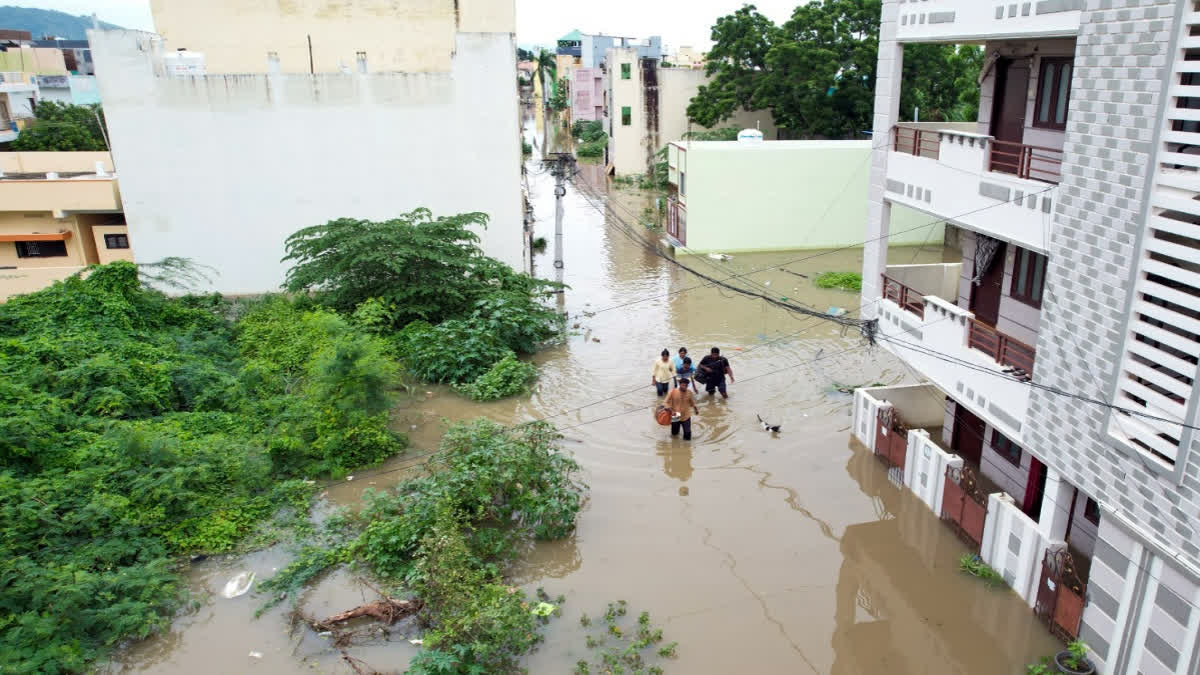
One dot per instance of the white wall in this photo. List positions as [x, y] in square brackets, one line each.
[223, 168]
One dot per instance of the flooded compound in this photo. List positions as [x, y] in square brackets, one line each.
[756, 552]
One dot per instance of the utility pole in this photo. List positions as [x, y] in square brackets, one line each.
[563, 167]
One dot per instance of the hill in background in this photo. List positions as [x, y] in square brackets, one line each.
[42, 22]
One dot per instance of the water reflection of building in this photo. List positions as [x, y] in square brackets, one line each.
[1075, 279]
[898, 612]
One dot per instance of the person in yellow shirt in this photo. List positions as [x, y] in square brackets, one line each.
[662, 372]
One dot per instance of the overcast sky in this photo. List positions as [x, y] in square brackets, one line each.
[679, 22]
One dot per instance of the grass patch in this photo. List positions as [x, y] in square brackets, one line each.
[846, 281]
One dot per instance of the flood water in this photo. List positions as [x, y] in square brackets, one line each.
[793, 553]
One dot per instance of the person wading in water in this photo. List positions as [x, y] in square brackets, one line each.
[681, 404]
[715, 367]
[662, 372]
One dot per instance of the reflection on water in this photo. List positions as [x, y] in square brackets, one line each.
[770, 553]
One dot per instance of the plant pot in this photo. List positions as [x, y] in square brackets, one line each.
[1060, 659]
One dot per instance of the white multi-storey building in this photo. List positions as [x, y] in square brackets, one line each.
[279, 116]
[1057, 430]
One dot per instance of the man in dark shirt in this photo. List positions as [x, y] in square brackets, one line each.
[715, 368]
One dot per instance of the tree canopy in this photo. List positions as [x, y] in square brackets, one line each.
[816, 72]
[62, 127]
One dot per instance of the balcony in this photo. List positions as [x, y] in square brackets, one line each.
[1004, 190]
[84, 193]
[974, 362]
[962, 20]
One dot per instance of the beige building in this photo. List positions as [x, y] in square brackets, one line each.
[647, 109]
[59, 213]
[317, 36]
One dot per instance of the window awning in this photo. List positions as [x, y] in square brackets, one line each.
[51, 236]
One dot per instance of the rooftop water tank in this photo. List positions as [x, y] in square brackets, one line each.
[750, 136]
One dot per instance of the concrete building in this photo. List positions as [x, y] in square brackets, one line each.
[647, 109]
[393, 111]
[588, 87]
[59, 212]
[1058, 429]
[756, 195]
[687, 57]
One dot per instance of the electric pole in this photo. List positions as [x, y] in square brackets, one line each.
[563, 167]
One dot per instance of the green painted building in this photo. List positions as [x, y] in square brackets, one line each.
[755, 195]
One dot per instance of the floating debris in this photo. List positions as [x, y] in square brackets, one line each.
[238, 586]
[543, 609]
[719, 256]
[835, 311]
[256, 655]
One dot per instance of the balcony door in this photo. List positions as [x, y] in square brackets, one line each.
[1009, 98]
[985, 298]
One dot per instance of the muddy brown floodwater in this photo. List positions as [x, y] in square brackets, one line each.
[793, 553]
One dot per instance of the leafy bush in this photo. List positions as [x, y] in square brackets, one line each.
[588, 131]
[719, 134]
[592, 149]
[972, 564]
[446, 537]
[453, 351]
[419, 267]
[508, 377]
[847, 281]
[136, 428]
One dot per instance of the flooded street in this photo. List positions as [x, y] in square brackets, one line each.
[788, 553]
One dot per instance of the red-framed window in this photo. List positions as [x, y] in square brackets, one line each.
[1006, 448]
[1029, 277]
[1053, 93]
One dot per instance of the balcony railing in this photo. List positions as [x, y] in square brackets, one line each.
[916, 141]
[1034, 162]
[1004, 349]
[904, 296]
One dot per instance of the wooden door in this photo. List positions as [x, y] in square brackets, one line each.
[1009, 98]
[1035, 489]
[968, 435]
[985, 298]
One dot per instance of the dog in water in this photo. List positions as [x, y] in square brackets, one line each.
[773, 428]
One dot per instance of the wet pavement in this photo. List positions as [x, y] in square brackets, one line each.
[788, 553]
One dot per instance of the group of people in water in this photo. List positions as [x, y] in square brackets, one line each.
[676, 378]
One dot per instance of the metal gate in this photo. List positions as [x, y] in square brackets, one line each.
[677, 221]
[891, 438]
[964, 506]
[1060, 594]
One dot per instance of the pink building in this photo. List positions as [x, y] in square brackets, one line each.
[587, 94]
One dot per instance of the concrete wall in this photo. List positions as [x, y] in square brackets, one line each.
[940, 279]
[30, 279]
[410, 36]
[784, 195]
[223, 168]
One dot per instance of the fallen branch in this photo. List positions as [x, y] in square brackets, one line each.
[386, 611]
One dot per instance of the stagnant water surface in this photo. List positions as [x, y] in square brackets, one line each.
[768, 554]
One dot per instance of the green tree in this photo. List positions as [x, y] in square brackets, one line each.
[63, 127]
[816, 73]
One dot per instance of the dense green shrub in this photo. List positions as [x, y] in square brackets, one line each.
[135, 428]
[508, 377]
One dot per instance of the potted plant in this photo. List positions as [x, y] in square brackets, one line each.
[1074, 661]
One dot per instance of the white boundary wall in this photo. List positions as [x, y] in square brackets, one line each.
[222, 168]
